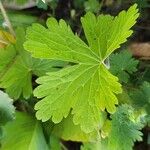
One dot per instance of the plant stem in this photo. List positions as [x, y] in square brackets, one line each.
[6, 19]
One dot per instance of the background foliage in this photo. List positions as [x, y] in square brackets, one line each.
[40, 66]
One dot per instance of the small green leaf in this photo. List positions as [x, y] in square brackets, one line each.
[41, 4]
[92, 5]
[122, 65]
[7, 110]
[125, 129]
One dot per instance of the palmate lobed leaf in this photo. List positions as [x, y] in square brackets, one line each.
[87, 87]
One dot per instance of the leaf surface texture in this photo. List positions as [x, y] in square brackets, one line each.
[87, 87]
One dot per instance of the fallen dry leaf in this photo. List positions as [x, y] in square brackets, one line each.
[141, 50]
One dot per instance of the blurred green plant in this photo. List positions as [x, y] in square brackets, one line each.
[142, 3]
[92, 5]
[122, 64]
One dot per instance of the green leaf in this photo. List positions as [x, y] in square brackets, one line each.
[148, 141]
[6, 38]
[7, 109]
[87, 87]
[122, 65]
[99, 145]
[17, 2]
[140, 98]
[21, 2]
[66, 130]
[17, 68]
[92, 5]
[15, 75]
[41, 4]
[142, 3]
[124, 97]
[6, 56]
[78, 95]
[18, 19]
[146, 75]
[79, 4]
[55, 143]
[25, 133]
[105, 33]
[125, 129]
